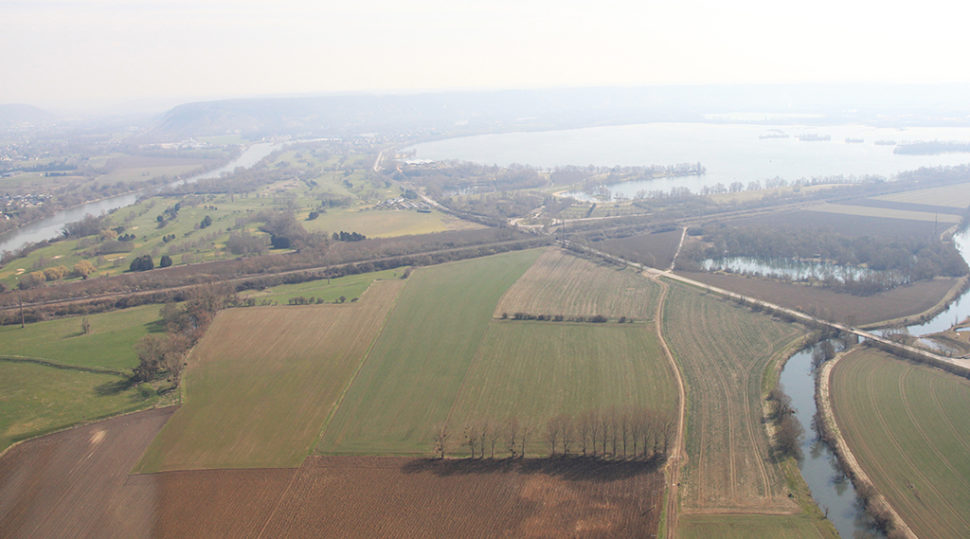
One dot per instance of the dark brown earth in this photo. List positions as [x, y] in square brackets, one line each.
[76, 483]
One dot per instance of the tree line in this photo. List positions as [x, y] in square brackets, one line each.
[633, 433]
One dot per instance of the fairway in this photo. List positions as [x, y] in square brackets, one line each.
[907, 425]
[722, 350]
[262, 381]
[561, 283]
[415, 371]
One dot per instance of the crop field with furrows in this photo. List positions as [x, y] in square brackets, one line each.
[655, 250]
[76, 482]
[262, 382]
[400, 497]
[954, 196]
[563, 284]
[902, 301]
[415, 369]
[907, 425]
[533, 371]
[723, 351]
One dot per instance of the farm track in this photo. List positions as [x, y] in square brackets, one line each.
[678, 458]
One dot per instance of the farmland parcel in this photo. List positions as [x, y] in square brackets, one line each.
[907, 426]
[265, 379]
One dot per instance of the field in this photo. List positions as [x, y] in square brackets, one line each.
[954, 196]
[907, 425]
[560, 283]
[744, 526]
[266, 379]
[108, 345]
[847, 224]
[40, 397]
[349, 287]
[723, 351]
[416, 368]
[78, 480]
[387, 223]
[899, 302]
[655, 250]
[887, 213]
[43, 491]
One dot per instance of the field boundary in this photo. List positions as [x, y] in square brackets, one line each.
[859, 477]
[54, 364]
[360, 366]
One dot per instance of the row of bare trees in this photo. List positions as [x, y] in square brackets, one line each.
[614, 433]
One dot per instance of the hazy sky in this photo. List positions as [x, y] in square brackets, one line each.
[66, 52]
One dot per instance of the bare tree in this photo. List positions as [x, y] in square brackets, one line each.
[594, 428]
[552, 434]
[511, 429]
[583, 425]
[471, 438]
[441, 435]
[567, 433]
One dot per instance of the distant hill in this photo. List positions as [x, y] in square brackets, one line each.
[457, 113]
[18, 115]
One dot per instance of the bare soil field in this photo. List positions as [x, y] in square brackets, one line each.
[723, 351]
[886, 213]
[401, 497]
[906, 206]
[655, 250]
[262, 382]
[561, 283]
[907, 425]
[899, 302]
[956, 196]
[76, 482]
[850, 225]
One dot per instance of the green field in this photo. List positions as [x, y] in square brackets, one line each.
[109, 345]
[385, 223]
[416, 368]
[329, 290]
[36, 398]
[262, 381]
[908, 426]
[745, 526]
[723, 350]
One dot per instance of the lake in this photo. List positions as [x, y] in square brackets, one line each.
[731, 152]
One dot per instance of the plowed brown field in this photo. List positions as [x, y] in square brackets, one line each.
[561, 283]
[76, 483]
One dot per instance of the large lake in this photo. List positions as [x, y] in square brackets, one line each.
[730, 152]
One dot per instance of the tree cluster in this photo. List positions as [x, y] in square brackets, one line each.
[788, 431]
[348, 236]
[184, 324]
[595, 318]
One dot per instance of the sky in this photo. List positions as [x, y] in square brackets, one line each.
[88, 53]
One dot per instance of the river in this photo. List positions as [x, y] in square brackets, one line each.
[831, 490]
[730, 152]
[51, 227]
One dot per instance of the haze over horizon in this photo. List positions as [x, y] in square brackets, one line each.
[88, 54]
